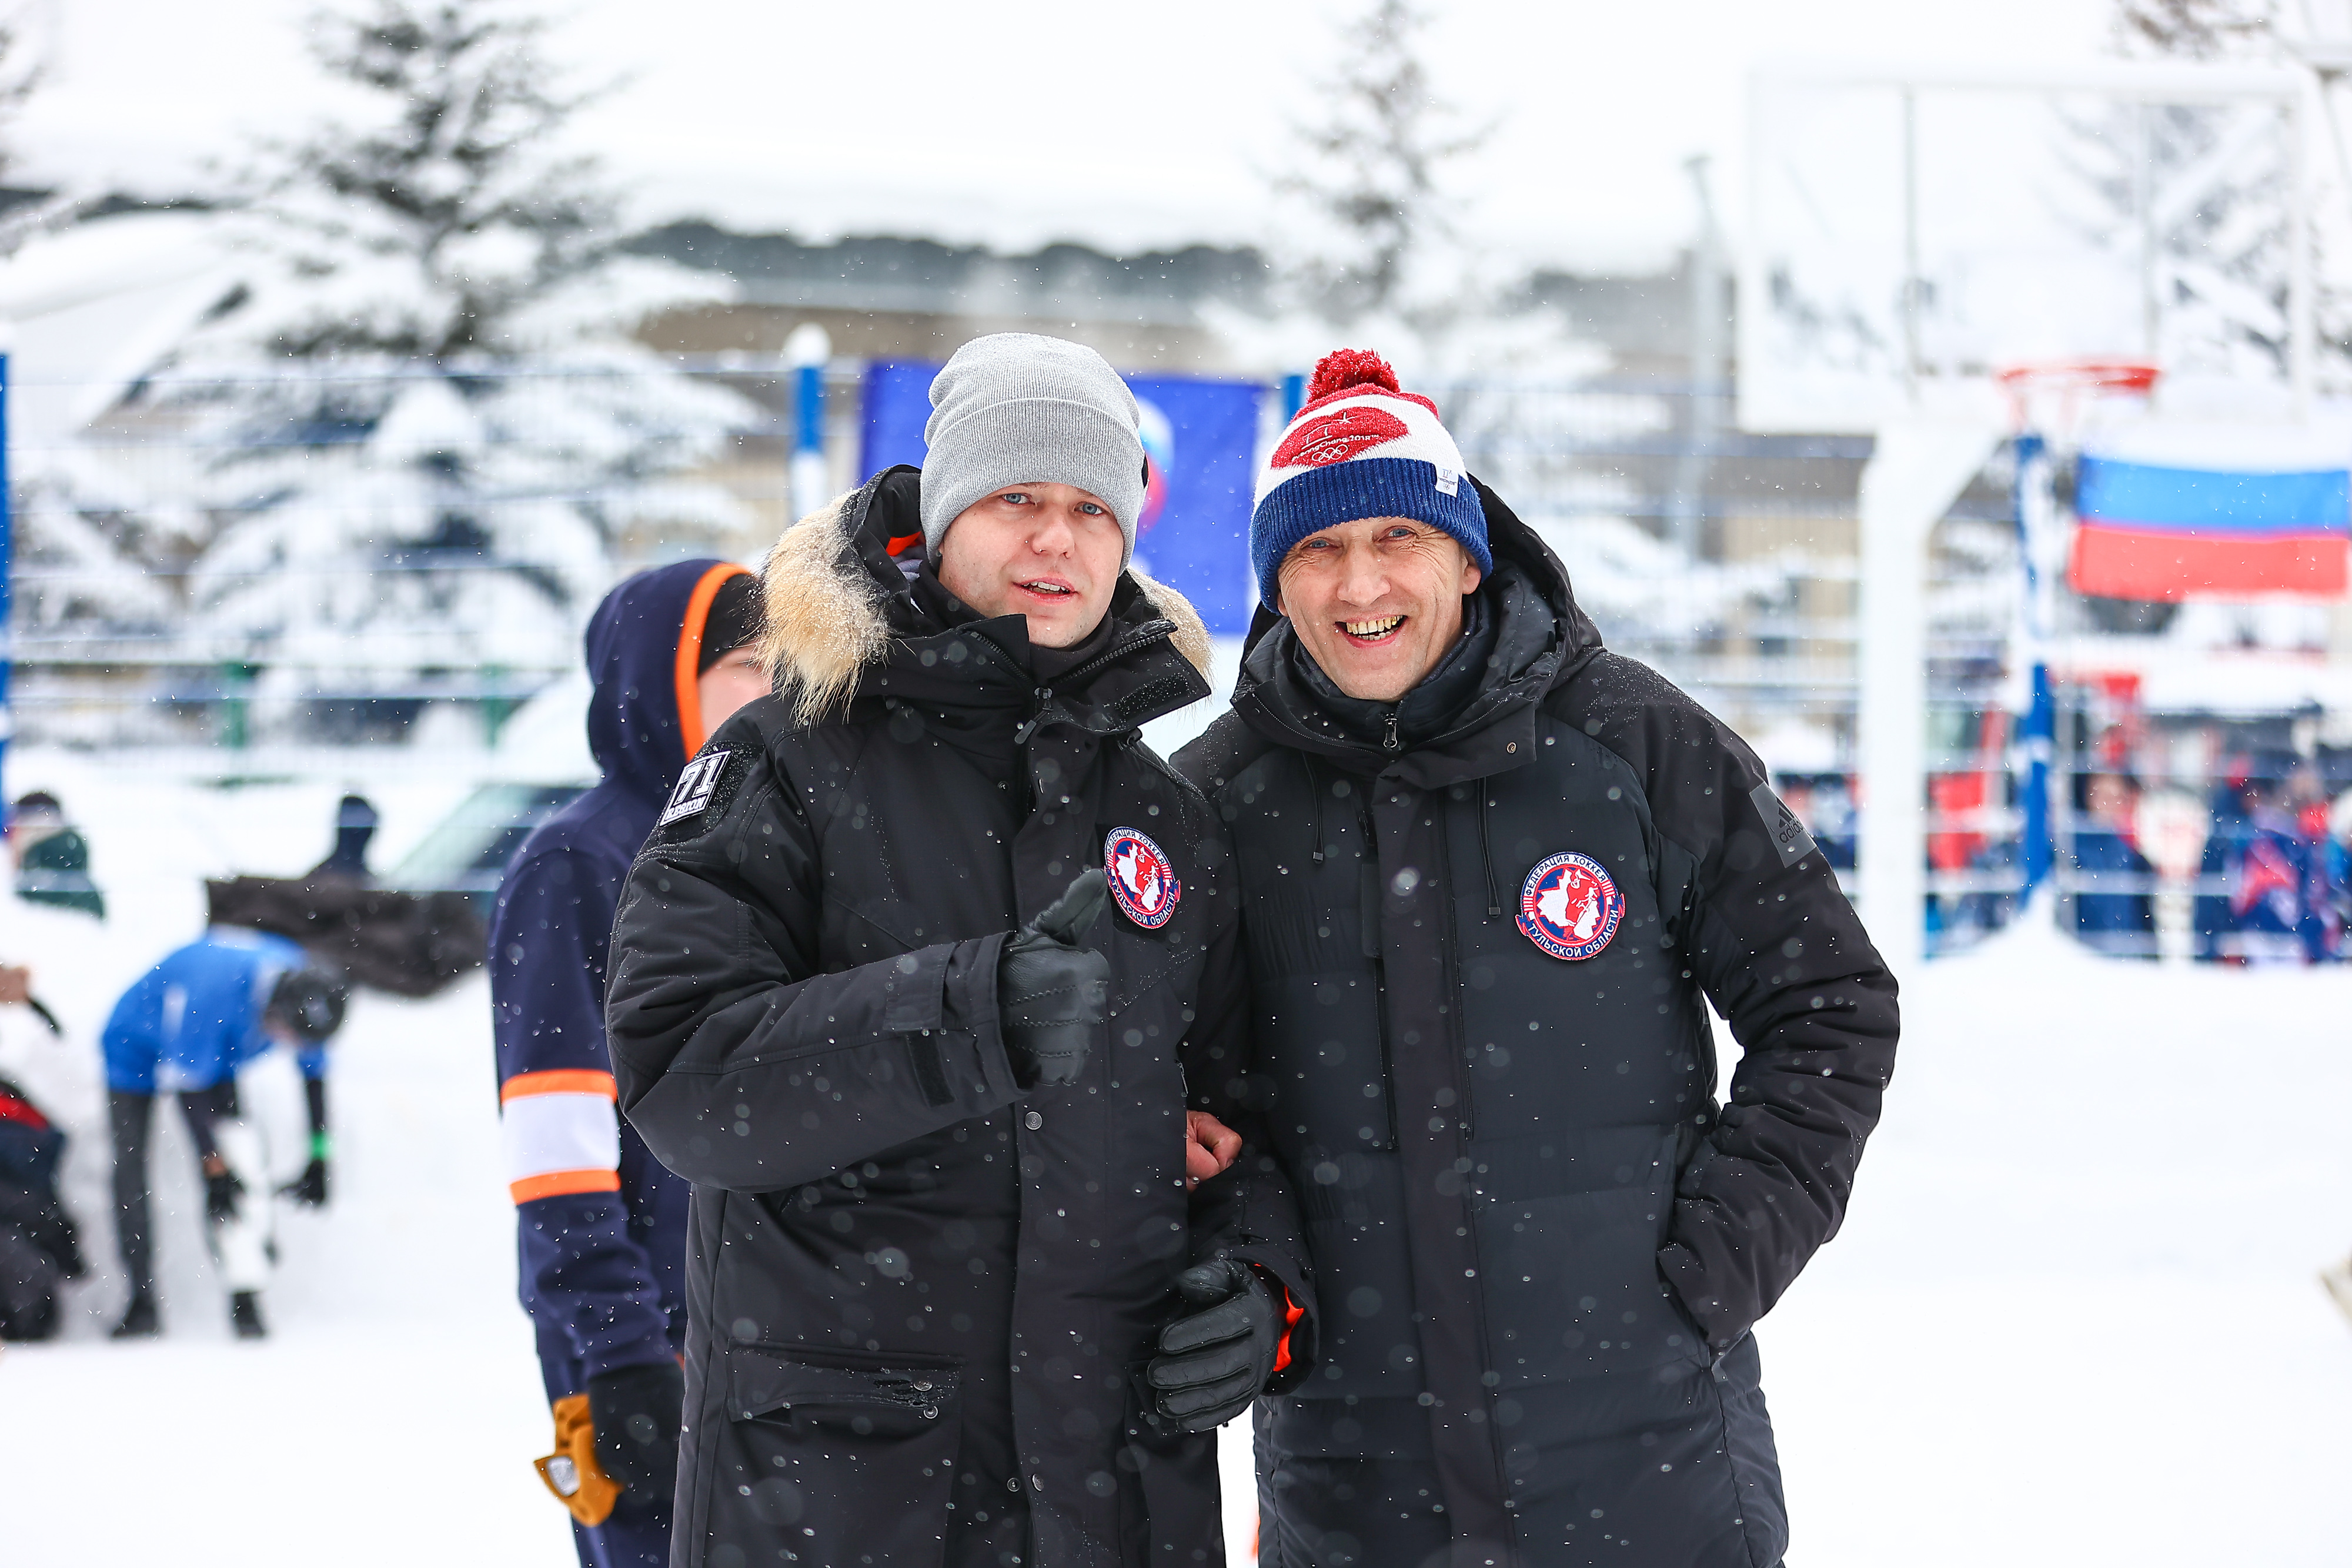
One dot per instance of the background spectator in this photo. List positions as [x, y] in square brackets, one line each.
[40, 1248]
[355, 820]
[2105, 848]
[52, 858]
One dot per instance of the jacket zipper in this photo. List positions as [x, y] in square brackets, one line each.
[1373, 941]
[1457, 1037]
[1145, 636]
[1144, 639]
[1391, 742]
[1486, 849]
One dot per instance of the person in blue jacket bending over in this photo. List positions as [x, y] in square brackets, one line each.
[185, 1028]
[602, 1224]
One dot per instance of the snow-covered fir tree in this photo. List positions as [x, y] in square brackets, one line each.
[427, 430]
[73, 580]
[20, 75]
[1368, 174]
[2222, 264]
[2223, 269]
[1379, 249]
[1374, 240]
[2194, 29]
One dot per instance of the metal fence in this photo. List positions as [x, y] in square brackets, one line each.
[429, 543]
[330, 553]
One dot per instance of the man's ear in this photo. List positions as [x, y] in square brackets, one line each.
[1471, 575]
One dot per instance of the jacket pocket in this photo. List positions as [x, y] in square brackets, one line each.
[832, 1463]
[1572, 1287]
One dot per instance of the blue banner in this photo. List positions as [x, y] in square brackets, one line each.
[1201, 438]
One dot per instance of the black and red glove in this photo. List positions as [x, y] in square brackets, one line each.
[1216, 1358]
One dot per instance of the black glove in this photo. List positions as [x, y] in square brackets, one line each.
[222, 1189]
[635, 1412]
[1052, 994]
[1216, 1359]
[310, 1186]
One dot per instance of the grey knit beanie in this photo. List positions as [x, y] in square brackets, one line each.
[1015, 408]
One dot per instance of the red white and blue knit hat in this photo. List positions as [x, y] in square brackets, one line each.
[1361, 447]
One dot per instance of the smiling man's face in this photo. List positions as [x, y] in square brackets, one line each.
[1377, 602]
[1050, 552]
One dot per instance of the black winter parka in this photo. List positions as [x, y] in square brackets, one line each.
[1533, 1228]
[918, 1297]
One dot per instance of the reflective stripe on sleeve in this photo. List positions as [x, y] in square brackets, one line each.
[563, 1184]
[559, 1140]
[562, 1081]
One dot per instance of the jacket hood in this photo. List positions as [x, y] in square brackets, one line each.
[644, 642]
[1543, 640]
[839, 610]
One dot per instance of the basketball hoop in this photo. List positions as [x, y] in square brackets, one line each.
[2051, 395]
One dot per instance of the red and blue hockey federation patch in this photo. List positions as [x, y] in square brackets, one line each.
[1141, 878]
[1569, 906]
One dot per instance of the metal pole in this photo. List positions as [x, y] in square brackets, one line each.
[1686, 505]
[808, 350]
[1752, 348]
[2144, 205]
[7, 577]
[1914, 361]
[2034, 728]
[1918, 468]
[2302, 330]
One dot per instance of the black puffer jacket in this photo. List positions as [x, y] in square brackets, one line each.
[1520, 1192]
[918, 1297]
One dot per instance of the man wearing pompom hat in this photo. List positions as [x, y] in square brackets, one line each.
[1492, 877]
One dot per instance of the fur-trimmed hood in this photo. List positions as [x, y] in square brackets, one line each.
[836, 598]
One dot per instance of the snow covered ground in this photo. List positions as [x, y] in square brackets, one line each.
[2073, 1316]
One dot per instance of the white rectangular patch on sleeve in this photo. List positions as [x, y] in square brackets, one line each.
[695, 788]
[543, 1134]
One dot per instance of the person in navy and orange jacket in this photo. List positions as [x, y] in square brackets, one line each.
[602, 1225]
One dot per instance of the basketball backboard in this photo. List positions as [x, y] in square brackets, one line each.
[1910, 233]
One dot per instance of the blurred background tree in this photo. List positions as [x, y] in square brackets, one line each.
[431, 430]
[2195, 29]
[1370, 171]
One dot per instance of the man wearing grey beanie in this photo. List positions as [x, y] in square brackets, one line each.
[1036, 462]
[964, 1193]
[1018, 408]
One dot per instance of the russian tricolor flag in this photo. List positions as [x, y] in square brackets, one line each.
[2152, 531]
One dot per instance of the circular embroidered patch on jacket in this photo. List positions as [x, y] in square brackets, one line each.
[1141, 878]
[1569, 906]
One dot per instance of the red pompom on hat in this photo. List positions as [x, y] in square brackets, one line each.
[1344, 368]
